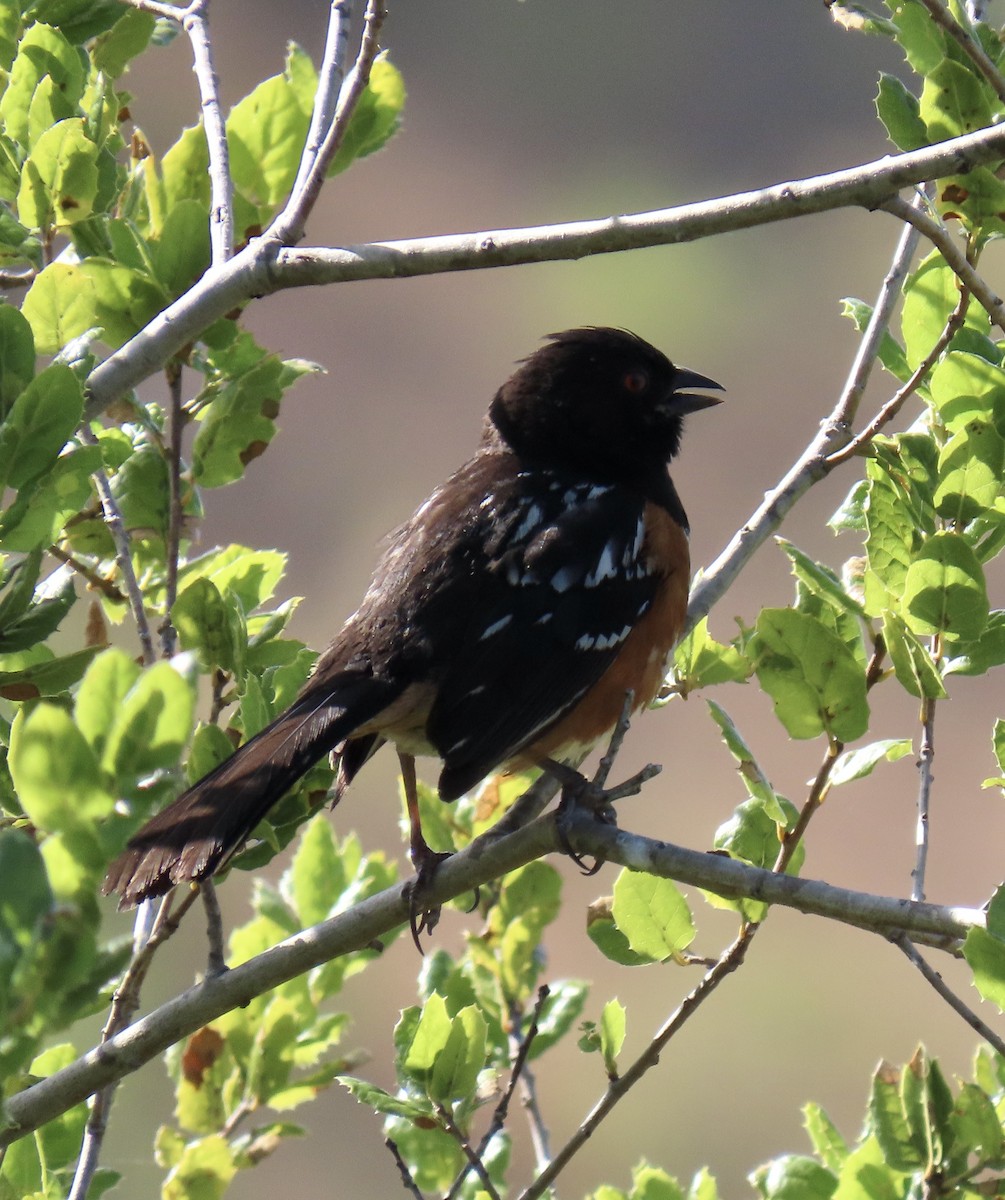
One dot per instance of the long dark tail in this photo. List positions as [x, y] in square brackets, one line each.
[198, 832]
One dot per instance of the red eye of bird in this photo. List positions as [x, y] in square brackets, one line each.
[635, 381]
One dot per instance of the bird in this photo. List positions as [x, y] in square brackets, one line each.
[507, 618]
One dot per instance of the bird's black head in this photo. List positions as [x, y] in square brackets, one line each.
[598, 401]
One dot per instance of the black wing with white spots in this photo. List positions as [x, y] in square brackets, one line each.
[531, 590]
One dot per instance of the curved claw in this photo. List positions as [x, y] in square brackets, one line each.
[421, 919]
[572, 798]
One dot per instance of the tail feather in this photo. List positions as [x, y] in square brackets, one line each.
[192, 838]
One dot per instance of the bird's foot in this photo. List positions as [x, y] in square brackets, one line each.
[596, 797]
[423, 918]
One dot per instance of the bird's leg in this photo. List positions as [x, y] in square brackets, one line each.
[424, 860]
[594, 794]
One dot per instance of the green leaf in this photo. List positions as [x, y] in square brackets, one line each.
[152, 725]
[889, 1122]
[985, 954]
[428, 1037]
[998, 744]
[930, 296]
[795, 1177]
[266, 132]
[603, 931]
[858, 763]
[39, 424]
[965, 387]
[99, 700]
[203, 1172]
[750, 835]
[142, 491]
[652, 914]
[922, 41]
[892, 534]
[212, 626]
[46, 503]
[48, 677]
[653, 1183]
[701, 661]
[899, 111]
[250, 575]
[827, 1140]
[42, 52]
[944, 591]
[813, 678]
[17, 356]
[954, 100]
[55, 771]
[754, 779]
[240, 422]
[68, 299]
[971, 466]
[376, 117]
[912, 663]
[612, 1035]
[48, 105]
[60, 178]
[25, 895]
[24, 627]
[455, 1070]
[181, 251]
[976, 1124]
[383, 1102]
[127, 38]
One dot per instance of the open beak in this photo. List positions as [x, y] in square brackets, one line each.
[683, 400]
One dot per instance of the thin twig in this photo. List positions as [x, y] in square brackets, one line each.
[947, 994]
[879, 320]
[170, 12]
[970, 46]
[521, 1049]
[330, 78]
[907, 389]
[618, 1088]
[288, 226]
[195, 21]
[818, 793]
[176, 425]
[451, 1127]
[89, 575]
[403, 1171]
[956, 258]
[123, 552]
[125, 1003]
[926, 757]
[217, 959]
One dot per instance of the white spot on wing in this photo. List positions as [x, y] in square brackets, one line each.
[496, 626]
[529, 523]
[605, 568]
[564, 579]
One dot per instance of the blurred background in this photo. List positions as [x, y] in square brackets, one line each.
[524, 113]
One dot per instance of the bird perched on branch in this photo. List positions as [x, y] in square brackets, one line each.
[507, 619]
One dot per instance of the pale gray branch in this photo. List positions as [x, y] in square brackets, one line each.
[330, 78]
[266, 266]
[221, 217]
[485, 859]
[949, 248]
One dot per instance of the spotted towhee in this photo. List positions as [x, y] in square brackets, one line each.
[506, 620]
